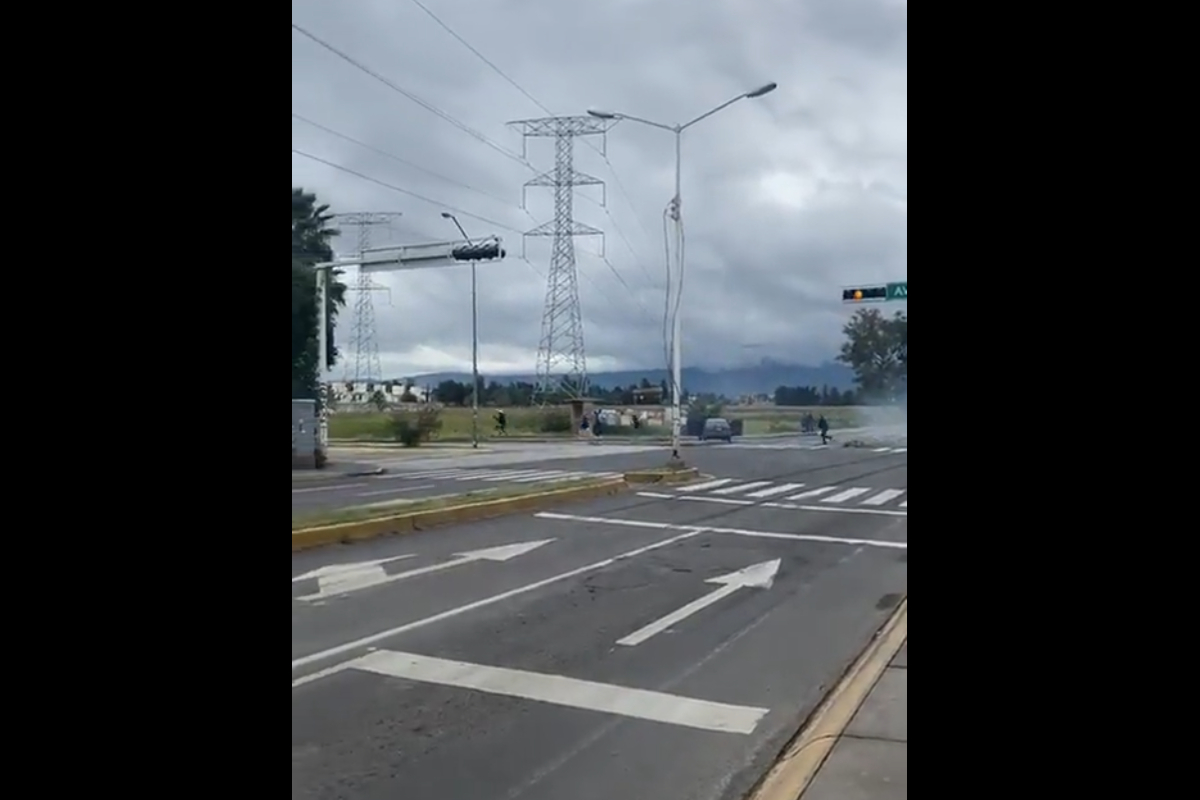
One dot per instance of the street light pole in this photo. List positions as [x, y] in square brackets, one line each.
[322, 355]
[676, 212]
[474, 339]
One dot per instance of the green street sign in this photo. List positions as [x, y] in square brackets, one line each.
[897, 291]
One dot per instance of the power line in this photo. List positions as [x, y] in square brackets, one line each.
[480, 55]
[400, 160]
[475, 134]
[616, 177]
[422, 198]
[400, 90]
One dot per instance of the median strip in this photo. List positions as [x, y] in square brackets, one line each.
[343, 526]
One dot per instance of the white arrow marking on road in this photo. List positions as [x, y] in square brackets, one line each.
[758, 576]
[504, 553]
[347, 577]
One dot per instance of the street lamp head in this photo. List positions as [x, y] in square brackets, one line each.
[447, 215]
[602, 114]
[760, 91]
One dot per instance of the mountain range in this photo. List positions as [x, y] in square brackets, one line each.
[761, 378]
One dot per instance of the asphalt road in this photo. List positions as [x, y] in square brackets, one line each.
[539, 672]
[408, 479]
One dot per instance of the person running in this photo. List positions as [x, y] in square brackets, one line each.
[501, 423]
[823, 426]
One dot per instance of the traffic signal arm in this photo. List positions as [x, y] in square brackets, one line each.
[482, 251]
[861, 294]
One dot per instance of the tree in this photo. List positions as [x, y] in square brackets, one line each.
[311, 237]
[876, 348]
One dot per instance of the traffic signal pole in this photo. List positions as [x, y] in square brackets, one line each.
[395, 259]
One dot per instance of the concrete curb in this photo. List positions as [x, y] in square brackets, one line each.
[347, 532]
[806, 752]
[651, 477]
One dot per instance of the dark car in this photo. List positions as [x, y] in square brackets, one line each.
[717, 428]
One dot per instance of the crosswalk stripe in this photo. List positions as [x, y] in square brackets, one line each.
[883, 450]
[813, 493]
[700, 487]
[570, 476]
[506, 474]
[539, 476]
[904, 504]
[900, 450]
[774, 490]
[848, 494]
[436, 473]
[886, 496]
[742, 487]
[491, 474]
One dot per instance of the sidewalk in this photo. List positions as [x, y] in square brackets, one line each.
[870, 759]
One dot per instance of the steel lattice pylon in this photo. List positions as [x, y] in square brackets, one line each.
[364, 366]
[561, 360]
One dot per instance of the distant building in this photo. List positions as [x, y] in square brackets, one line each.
[361, 393]
[650, 396]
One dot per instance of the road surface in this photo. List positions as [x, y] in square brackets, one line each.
[410, 479]
[633, 647]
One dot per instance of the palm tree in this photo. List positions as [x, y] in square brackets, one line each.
[311, 239]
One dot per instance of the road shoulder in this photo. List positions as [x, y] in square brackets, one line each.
[876, 770]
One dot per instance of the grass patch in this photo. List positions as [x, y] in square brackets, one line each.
[337, 516]
[530, 422]
[456, 425]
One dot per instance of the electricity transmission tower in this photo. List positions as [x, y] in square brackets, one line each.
[365, 366]
[561, 363]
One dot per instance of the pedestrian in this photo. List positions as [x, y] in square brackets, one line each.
[501, 423]
[823, 426]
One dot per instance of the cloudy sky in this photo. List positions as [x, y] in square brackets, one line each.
[786, 198]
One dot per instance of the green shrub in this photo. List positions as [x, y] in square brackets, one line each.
[404, 430]
[411, 429]
[556, 421]
[429, 422]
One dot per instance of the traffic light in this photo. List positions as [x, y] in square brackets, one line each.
[480, 251]
[864, 294]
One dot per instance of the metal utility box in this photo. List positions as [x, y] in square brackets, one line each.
[305, 430]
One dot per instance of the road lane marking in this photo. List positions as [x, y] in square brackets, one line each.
[742, 487]
[873, 504]
[336, 574]
[379, 578]
[782, 488]
[813, 493]
[796, 537]
[848, 494]
[562, 691]
[397, 490]
[876, 512]
[540, 476]
[700, 487]
[505, 474]
[884, 497]
[729, 501]
[755, 576]
[309, 489]
[367, 641]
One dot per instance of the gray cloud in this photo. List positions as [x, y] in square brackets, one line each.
[786, 198]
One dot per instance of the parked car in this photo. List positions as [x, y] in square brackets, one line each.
[717, 428]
